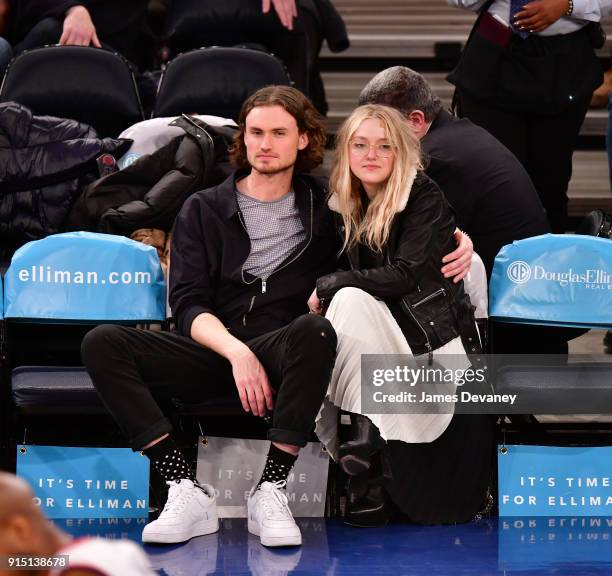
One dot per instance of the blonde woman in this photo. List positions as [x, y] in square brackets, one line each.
[395, 226]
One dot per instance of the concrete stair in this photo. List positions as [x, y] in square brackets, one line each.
[408, 28]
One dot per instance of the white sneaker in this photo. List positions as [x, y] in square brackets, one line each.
[191, 510]
[270, 517]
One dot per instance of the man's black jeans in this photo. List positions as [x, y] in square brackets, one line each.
[130, 368]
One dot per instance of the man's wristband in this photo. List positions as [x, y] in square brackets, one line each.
[570, 7]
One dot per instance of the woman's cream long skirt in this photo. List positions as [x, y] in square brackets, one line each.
[365, 325]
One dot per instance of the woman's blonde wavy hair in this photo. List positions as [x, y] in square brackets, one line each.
[372, 225]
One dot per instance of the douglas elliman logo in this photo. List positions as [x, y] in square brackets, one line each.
[520, 272]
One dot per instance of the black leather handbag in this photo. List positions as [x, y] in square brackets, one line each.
[596, 223]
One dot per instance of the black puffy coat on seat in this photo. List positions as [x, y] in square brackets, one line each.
[44, 164]
[150, 192]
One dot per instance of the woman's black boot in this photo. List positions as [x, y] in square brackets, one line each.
[355, 455]
[368, 505]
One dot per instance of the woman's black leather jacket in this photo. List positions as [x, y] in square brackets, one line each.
[427, 307]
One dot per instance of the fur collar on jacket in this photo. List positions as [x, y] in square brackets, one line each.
[402, 200]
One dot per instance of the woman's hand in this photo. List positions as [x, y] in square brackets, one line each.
[458, 262]
[314, 304]
[540, 14]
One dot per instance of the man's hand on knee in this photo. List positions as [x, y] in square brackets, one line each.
[79, 29]
[458, 262]
[251, 379]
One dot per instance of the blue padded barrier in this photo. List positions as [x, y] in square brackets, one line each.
[84, 276]
[554, 279]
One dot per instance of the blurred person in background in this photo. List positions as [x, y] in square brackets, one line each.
[527, 75]
[114, 24]
[24, 530]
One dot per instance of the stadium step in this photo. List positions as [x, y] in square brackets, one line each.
[408, 28]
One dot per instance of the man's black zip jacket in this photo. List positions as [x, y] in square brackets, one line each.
[210, 245]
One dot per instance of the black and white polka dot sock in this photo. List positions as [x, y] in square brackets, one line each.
[169, 461]
[278, 465]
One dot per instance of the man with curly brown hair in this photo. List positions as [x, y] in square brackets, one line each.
[245, 257]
